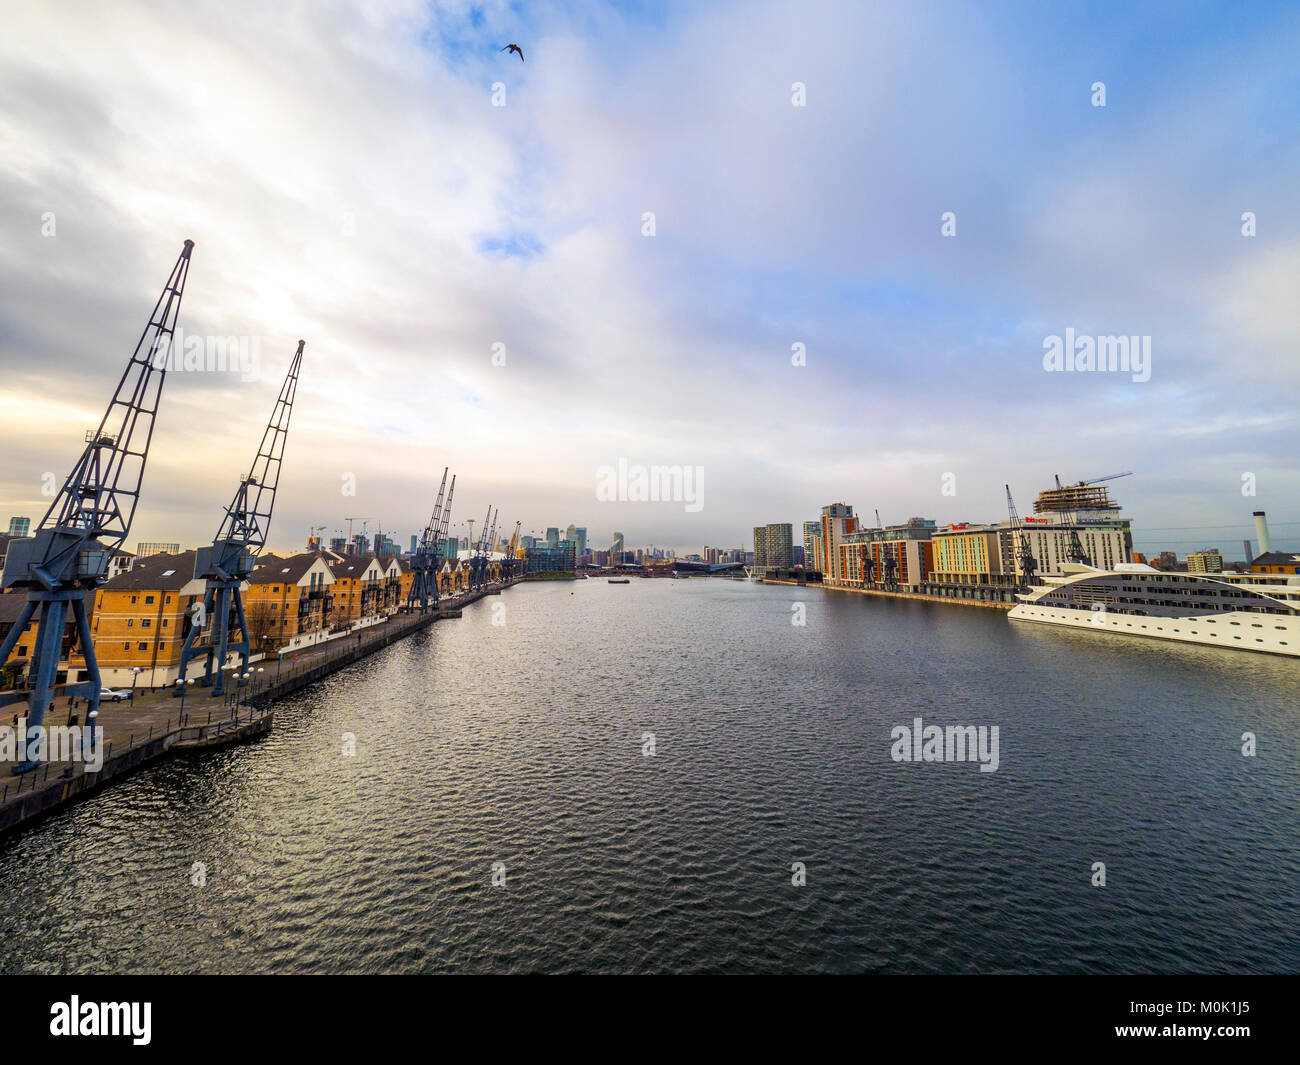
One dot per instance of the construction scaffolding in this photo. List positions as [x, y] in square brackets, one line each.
[1074, 497]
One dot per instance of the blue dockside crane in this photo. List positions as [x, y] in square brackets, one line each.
[478, 561]
[1022, 551]
[441, 539]
[231, 558]
[487, 555]
[424, 563]
[89, 519]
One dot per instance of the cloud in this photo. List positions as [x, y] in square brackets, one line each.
[348, 180]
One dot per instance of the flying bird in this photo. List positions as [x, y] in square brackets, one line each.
[514, 48]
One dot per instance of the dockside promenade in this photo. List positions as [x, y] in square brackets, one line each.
[988, 604]
[139, 732]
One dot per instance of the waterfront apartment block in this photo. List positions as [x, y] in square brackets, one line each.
[963, 559]
[895, 558]
[288, 602]
[773, 546]
[453, 577]
[141, 620]
[981, 561]
[812, 558]
[361, 589]
[837, 521]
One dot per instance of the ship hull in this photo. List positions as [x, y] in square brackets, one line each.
[1239, 631]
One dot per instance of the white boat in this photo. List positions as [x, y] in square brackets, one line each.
[1244, 611]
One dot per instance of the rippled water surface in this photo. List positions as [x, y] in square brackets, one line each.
[522, 744]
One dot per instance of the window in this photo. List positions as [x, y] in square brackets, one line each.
[143, 646]
[148, 599]
[146, 623]
[130, 623]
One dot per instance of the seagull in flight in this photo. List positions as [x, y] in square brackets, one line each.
[514, 48]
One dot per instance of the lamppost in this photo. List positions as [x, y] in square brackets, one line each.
[135, 670]
[184, 686]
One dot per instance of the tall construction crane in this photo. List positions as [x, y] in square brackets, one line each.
[1069, 499]
[1095, 480]
[228, 562]
[89, 519]
[424, 563]
[1024, 556]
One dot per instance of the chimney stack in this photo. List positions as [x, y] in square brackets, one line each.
[1261, 533]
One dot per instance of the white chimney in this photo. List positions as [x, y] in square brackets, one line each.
[1261, 533]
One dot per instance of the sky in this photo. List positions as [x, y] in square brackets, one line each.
[461, 239]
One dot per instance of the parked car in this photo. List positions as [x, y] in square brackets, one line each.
[112, 696]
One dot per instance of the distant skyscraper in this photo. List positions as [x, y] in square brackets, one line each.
[1207, 561]
[552, 536]
[812, 531]
[779, 548]
[20, 526]
[616, 550]
[581, 535]
[339, 545]
[837, 522]
[415, 542]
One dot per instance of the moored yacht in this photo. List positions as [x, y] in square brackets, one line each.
[1247, 611]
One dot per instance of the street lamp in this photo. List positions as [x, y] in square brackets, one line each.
[136, 676]
[184, 686]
